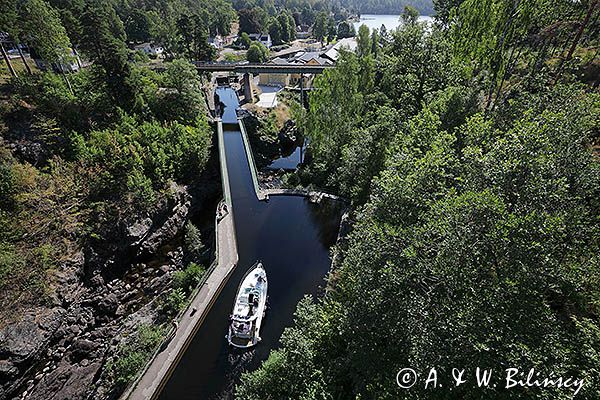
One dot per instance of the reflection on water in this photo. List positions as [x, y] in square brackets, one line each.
[374, 21]
[292, 238]
[290, 161]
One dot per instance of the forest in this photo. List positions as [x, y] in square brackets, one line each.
[469, 151]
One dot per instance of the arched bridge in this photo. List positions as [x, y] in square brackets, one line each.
[253, 68]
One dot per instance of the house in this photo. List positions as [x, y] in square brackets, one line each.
[263, 38]
[303, 31]
[149, 49]
[333, 53]
[71, 63]
[300, 57]
[310, 58]
[326, 56]
[216, 41]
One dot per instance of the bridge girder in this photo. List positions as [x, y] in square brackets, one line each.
[262, 68]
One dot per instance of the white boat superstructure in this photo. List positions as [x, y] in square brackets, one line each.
[249, 308]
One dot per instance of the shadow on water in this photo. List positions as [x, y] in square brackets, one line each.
[292, 238]
[288, 161]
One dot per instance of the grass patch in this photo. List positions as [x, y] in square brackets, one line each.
[133, 355]
[18, 66]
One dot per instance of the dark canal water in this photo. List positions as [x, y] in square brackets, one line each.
[292, 238]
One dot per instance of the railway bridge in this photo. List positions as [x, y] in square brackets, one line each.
[248, 69]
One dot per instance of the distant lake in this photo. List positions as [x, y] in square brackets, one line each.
[373, 21]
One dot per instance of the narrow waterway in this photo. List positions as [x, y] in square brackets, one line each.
[291, 237]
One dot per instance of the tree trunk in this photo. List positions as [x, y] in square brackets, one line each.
[586, 20]
[512, 62]
[507, 26]
[27, 67]
[578, 35]
[77, 58]
[8, 63]
[66, 78]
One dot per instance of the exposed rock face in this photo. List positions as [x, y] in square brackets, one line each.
[34, 152]
[66, 382]
[168, 222]
[59, 351]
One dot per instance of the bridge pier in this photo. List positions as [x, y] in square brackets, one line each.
[302, 91]
[248, 88]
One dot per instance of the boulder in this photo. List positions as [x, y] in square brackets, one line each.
[23, 340]
[138, 231]
[108, 305]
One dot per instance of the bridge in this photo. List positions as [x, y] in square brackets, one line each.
[248, 69]
[254, 68]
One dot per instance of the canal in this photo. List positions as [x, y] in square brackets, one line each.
[292, 237]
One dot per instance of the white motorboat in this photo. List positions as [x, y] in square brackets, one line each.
[249, 308]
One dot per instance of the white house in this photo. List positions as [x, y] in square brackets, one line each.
[216, 41]
[348, 44]
[264, 38]
[150, 49]
[70, 63]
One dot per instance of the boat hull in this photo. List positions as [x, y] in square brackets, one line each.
[249, 309]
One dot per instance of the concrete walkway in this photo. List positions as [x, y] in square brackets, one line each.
[164, 362]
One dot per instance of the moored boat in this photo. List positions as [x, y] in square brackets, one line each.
[249, 308]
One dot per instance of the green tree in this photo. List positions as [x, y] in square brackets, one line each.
[409, 15]
[320, 26]
[418, 64]
[345, 29]
[245, 40]
[103, 41]
[257, 53]
[336, 110]
[363, 41]
[43, 29]
[331, 29]
[252, 20]
[375, 43]
[139, 26]
[474, 244]
[8, 24]
[275, 31]
[133, 354]
[189, 278]
[193, 31]
[490, 32]
[182, 100]
[193, 241]
[444, 9]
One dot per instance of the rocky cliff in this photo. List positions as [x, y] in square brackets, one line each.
[60, 350]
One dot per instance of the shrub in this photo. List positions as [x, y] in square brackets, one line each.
[187, 279]
[257, 53]
[174, 302]
[133, 355]
[7, 186]
[139, 158]
[193, 241]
